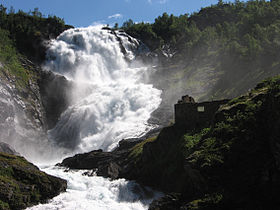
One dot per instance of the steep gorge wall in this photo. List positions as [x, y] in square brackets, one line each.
[20, 103]
[24, 116]
[55, 91]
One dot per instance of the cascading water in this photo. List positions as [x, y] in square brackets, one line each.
[108, 103]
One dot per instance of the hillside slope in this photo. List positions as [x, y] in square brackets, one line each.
[221, 51]
[22, 184]
[22, 112]
[23, 85]
[234, 164]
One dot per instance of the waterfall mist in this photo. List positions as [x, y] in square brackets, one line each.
[109, 101]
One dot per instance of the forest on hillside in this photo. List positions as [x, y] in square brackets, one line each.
[244, 29]
[219, 52]
[29, 30]
[226, 48]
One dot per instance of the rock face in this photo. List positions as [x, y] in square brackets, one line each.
[22, 115]
[233, 164]
[22, 184]
[6, 148]
[167, 202]
[55, 93]
[21, 109]
[107, 164]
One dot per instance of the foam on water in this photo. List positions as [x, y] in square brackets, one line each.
[97, 193]
[109, 101]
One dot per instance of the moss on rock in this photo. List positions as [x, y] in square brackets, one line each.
[137, 150]
[22, 184]
[234, 164]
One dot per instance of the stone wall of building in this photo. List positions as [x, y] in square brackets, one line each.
[196, 115]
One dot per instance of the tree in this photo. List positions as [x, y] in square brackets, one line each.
[116, 26]
[36, 12]
[127, 24]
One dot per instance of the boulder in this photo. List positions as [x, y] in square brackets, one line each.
[22, 184]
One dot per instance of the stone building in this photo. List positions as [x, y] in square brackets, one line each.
[186, 99]
[191, 115]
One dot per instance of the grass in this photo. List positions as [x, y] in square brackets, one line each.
[209, 200]
[137, 150]
[10, 60]
[191, 140]
[4, 205]
[19, 182]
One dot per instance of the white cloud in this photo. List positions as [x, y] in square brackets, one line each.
[160, 1]
[99, 22]
[115, 16]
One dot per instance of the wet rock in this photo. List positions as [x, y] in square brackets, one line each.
[88, 160]
[6, 148]
[115, 164]
[167, 202]
[22, 184]
[55, 93]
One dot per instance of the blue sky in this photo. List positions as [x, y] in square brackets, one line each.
[82, 13]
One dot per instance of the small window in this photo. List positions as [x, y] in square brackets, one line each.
[200, 108]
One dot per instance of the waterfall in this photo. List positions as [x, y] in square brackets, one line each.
[109, 101]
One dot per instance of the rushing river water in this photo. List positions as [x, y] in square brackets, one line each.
[97, 193]
[109, 102]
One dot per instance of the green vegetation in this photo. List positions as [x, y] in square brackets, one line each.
[227, 166]
[207, 202]
[245, 30]
[191, 140]
[137, 150]
[21, 38]
[9, 58]
[29, 30]
[22, 46]
[236, 147]
[11, 183]
[221, 51]
[4, 205]
[23, 184]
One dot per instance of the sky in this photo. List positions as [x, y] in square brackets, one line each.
[83, 13]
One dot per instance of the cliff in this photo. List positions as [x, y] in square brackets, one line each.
[22, 184]
[55, 93]
[230, 164]
[31, 100]
[233, 164]
[22, 111]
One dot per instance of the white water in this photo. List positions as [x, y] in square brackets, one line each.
[109, 103]
[97, 193]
